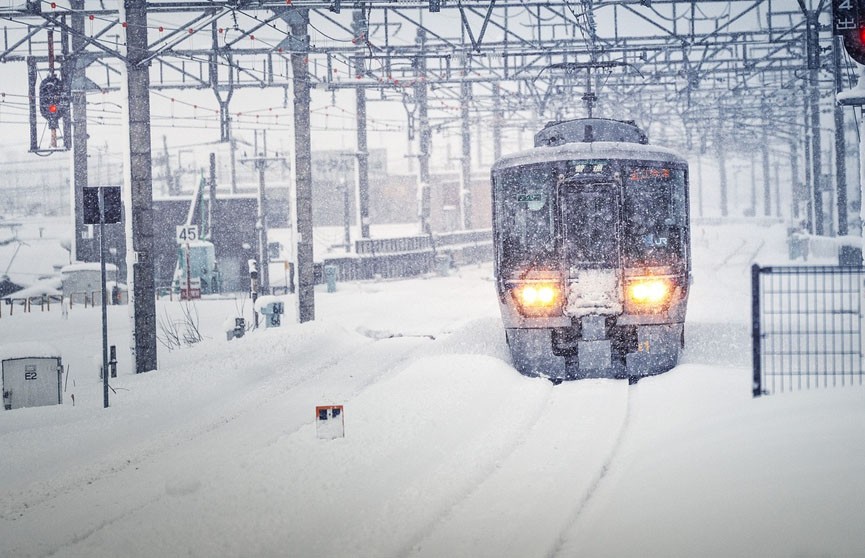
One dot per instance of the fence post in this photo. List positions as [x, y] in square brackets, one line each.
[755, 330]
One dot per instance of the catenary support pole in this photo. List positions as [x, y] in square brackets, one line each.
[465, 159]
[261, 224]
[795, 182]
[840, 142]
[425, 136]
[139, 187]
[767, 180]
[298, 21]
[722, 171]
[83, 247]
[361, 31]
[497, 122]
[813, 48]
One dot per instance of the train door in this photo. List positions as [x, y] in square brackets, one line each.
[589, 225]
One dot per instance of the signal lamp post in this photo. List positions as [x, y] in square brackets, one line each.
[53, 104]
[101, 206]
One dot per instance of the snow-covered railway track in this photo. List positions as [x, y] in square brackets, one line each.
[742, 256]
[549, 477]
[123, 479]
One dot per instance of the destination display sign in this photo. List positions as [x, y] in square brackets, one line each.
[648, 173]
[588, 167]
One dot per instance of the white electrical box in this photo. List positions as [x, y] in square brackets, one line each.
[32, 382]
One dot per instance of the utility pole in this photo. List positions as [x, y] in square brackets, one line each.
[260, 163]
[82, 249]
[840, 142]
[722, 172]
[767, 181]
[700, 185]
[497, 122]
[753, 165]
[139, 186]
[813, 56]
[795, 184]
[425, 135]
[361, 30]
[465, 160]
[777, 189]
[298, 20]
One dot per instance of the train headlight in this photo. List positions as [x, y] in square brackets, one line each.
[538, 299]
[649, 292]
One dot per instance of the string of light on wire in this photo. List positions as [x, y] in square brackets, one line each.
[260, 74]
[263, 74]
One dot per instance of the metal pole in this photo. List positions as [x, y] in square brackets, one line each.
[700, 185]
[346, 217]
[814, 93]
[139, 187]
[767, 180]
[777, 166]
[104, 306]
[795, 184]
[809, 168]
[465, 160]
[757, 388]
[298, 21]
[362, 164]
[261, 224]
[189, 276]
[753, 206]
[722, 173]
[497, 122]
[83, 250]
[211, 196]
[31, 96]
[425, 136]
[840, 143]
[360, 27]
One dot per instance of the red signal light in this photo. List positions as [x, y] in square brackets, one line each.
[862, 35]
[52, 109]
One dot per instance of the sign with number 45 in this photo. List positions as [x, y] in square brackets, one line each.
[187, 233]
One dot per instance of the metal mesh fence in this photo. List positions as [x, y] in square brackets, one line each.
[807, 327]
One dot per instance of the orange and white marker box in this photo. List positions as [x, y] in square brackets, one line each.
[329, 422]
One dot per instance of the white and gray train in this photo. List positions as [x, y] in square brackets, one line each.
[592, 252]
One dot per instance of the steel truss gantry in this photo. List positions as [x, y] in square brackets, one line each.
[700, 73]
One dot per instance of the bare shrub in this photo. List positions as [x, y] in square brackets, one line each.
[183, 332]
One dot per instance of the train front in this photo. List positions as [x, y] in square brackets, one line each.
[592, 252]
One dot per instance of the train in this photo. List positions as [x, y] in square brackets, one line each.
[592, 252]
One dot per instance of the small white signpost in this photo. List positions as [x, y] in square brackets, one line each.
[329, 422]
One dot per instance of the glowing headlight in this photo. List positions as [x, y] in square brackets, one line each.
[649, 291]
[538, 295]
[538, 299]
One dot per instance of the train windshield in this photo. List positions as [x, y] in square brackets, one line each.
[589, 215]
[655, 217]
[524, 217]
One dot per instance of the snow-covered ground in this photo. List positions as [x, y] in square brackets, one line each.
[448, 451]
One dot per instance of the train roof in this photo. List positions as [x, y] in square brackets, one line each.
[589, 150]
